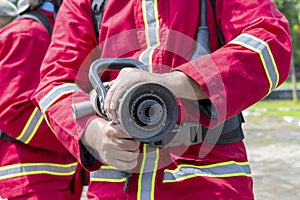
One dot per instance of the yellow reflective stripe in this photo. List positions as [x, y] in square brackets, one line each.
[107, 167]
[151, 21]
[107, 174]
[56, 93]
[17, 170]
[155, 171]
[31, 126]
[39, 164]
[36, 172]
[147, 176]
[262, 48]
[217, 170]
[47, 121]
[145, 21]
[141, 172]
[34, 130]
[108, 180]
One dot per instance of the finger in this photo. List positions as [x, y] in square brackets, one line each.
[128, 145]
[124, 165]
[113, 113]
[119, 130]
[126, 155]
[111, 83]
[109, 106]
[122, 160]
[123, 140]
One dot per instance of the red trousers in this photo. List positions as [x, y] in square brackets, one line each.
[30, 173]
[203, 171]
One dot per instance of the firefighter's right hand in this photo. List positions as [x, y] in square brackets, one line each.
[111, 144]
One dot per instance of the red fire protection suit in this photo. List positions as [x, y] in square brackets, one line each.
[37, 166]
[160, 33]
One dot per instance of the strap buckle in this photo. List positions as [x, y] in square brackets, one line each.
[97, 6]
[187, 134]
[190, 133]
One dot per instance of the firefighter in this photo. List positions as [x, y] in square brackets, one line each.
[7, 13]
[248, 56]
[33, 163]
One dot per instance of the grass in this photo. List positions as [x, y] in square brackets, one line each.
[279, 108]
[288, 83]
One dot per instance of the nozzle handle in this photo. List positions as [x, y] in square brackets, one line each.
[110, 64]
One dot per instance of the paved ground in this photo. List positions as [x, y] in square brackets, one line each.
[274, 152]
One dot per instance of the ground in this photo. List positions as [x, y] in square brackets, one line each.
[274, 153]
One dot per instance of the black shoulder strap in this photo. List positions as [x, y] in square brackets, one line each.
[220, 35]
[40, 17]
[98, 7]
[222, 43]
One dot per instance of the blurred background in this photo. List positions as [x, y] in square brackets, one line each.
[272, 127]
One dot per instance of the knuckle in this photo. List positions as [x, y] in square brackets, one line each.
[125, 70]
[136, 154]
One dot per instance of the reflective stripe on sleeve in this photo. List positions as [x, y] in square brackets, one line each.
[218, 170]
[31, 126]
[107, 174]
[147, 176]
[25, 169]
[262, 48]
[56, 93]
[150, 15]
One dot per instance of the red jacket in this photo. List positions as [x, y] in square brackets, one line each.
[161, 33]
[254, 61]
[20, 61]
[39, 156]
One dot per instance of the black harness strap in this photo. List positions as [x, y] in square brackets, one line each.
[40, 17]
[220, 35]
[232, 131]
[4, 136]
[98, 7]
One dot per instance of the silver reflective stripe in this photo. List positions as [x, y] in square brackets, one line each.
[150, 14]
[262, 48]
[56, 93]
[37, 168]
[219, 170]
[107, 174]
[146, 185]
[31, 126]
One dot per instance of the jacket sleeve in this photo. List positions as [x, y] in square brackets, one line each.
[254, 61]
[20, 63]
[65, 76]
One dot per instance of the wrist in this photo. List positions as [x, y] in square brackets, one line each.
[183, 86]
